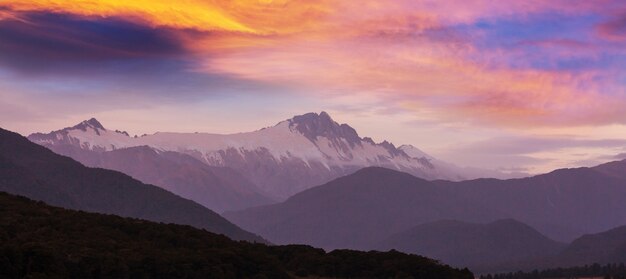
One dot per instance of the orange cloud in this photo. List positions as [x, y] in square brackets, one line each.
[181, 14]
[398, 51]
[245, 16]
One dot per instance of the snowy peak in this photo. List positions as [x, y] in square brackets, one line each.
[295, 154]
[313, 125]
[414, 152]
[91, 123]
[88, 135]
[61, 136]
[342, 142]
[392, 148]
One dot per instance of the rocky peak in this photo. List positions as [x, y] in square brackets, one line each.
[392, 149]
[313, 125]
[60, 136]
[91, 123]
[414, 152]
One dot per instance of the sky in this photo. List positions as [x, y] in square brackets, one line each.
[512, 85]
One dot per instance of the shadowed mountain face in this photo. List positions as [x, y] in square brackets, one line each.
[33, 171]
[616, 169]
[604, 247]
[372, 204]
[217, 188]
[477, 246]
[282, 160]
[40, 241]
[563, 204]
[608, 247]
[358, 210]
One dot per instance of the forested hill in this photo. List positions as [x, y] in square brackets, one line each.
[41, 241]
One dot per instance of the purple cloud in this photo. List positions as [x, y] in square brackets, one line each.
[36, 42]
[613, 29]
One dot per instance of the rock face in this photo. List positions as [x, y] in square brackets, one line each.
[282, 160]
[35, 172]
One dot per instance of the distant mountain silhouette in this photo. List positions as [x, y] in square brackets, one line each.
[608, 247]
[604, 247]
[364, 208]
[40, 241]
[563, 204]
[33, 171]
[477, 246]
[358, 210]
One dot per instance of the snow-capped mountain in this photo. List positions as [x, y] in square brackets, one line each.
[455, 172]
[282, 160]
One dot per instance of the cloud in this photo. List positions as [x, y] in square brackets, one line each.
[42, 41]
[435, 56]
[523, 145]
[200, 15]
[535, 153]
[613, 29]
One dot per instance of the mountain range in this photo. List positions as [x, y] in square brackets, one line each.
[33, 171]
[486, 224]
[358, 210]
[372, 204]
[282, 160]
[309, 180]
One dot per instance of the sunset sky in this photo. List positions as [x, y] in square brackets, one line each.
[515, 85]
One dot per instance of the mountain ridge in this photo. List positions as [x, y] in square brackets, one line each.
[373, 203]
[357, 210]
[284, 159]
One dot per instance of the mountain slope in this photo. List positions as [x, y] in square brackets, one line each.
[616, 169]
[607, 247]
[364, 208]
[33, 171]
[217, 188]
[292, 156]
[477, 246]
[563, 204]
[40, 241]
[357, 210]
[604, 247]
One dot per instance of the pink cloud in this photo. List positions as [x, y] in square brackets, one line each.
[614, 29]
[401, 52]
